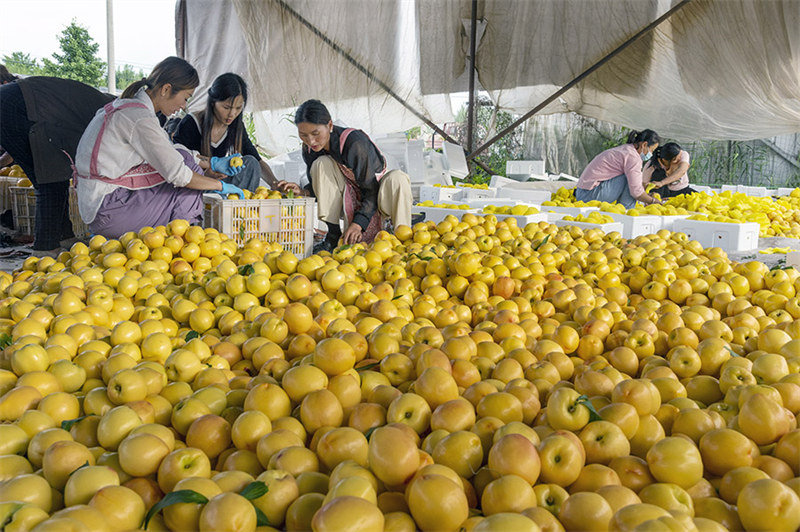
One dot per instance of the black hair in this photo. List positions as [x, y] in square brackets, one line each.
[646, 135]
[173, 70]
[225, 87]
[312, 112]
[6, 76]
[667, 151]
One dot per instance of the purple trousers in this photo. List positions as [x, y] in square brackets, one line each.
[129, 210]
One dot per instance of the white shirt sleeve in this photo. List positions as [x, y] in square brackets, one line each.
[150, 141]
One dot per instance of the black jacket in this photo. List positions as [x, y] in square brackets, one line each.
[60, 110]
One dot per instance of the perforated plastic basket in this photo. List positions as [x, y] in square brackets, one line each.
[5, 193]
[290, 222]
[23, 208]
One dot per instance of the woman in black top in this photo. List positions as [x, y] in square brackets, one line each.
[349, 177]
[41, 118]
[219, 131]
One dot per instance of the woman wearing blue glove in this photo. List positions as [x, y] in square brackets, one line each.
[218, 134]
[127, 172]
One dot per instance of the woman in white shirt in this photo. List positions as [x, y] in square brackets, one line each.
[128, 173]
[668, 170]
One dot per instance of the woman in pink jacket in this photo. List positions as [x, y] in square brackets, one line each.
[615, 175]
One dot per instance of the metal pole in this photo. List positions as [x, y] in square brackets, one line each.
[580, 78]
[112, 67]
[471, 105]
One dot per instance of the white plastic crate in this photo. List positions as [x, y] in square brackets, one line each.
[569, 211]
[289, 222]
[527, 195]
[728, 236]
[439, 194]
[606, 228]
[668, 222]
[437, 214]
[633, 226]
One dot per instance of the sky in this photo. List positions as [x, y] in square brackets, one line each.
[144, 30]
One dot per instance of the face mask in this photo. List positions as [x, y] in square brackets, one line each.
[646, 156]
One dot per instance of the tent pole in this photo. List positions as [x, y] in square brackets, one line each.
[579, 78]
[471, 105]
[364, 70]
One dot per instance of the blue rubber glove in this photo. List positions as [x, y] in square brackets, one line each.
[228, 188]
[223, 165]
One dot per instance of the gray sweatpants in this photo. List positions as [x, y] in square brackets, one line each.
[250, 176]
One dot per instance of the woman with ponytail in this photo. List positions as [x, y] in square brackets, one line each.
[219, 131]
[615, 175]
[128, 173]
[668, 171]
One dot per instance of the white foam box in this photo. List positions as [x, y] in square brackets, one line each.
[524, 168]
[437, 214]
[476, 193]
[702, 188]
[728, 236]
[500, 202]
[784, 191]
[755, 192]
[553, 216]
[667, 222]
[606, 228]
[522, 219]
[570, 211]
[455, 159]
[525, 194]
[793, 259]
[633, 226]
[439, 194]
[730, 188]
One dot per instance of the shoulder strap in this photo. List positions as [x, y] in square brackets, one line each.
[109, 110]
[343, 139]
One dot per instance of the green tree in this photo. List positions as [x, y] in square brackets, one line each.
[78, 60]
[127, 75]
[20, 63]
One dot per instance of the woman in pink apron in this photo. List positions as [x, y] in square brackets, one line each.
[127, 172]
[348, 176]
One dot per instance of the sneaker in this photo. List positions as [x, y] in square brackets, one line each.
[324, 245]
[417, 218]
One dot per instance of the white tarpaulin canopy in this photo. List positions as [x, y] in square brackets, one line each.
[715, 69]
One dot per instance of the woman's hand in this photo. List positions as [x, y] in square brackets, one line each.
[286, 186]
[215, 175]
[353, 234]
[657, 184]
